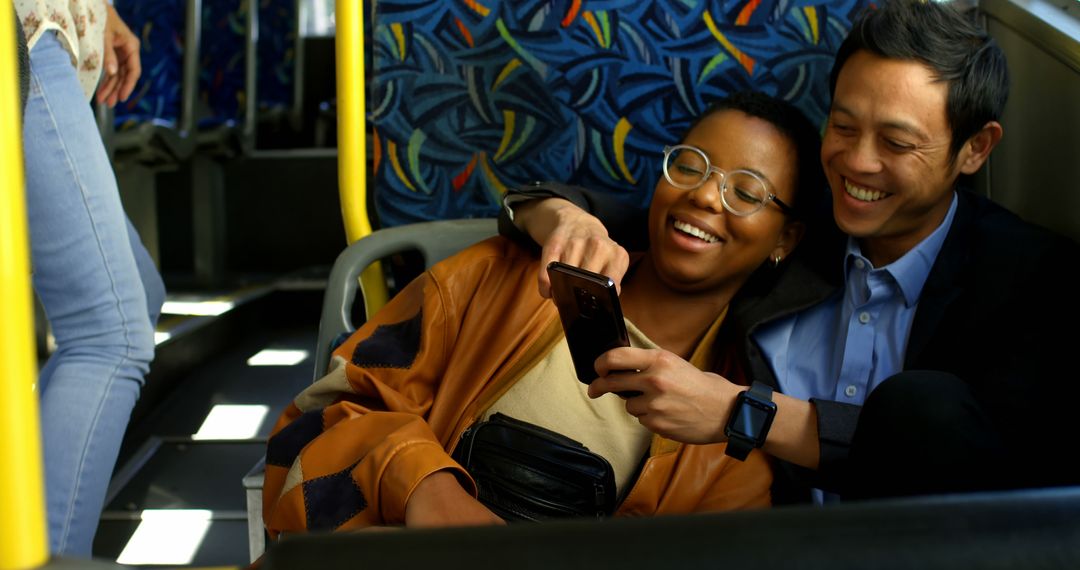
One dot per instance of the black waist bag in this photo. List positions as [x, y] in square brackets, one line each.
[527, 473]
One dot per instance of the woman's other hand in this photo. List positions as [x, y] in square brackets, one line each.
[572, 236]
[440, 501]
[122, 64]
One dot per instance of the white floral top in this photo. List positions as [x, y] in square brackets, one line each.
[80, 25]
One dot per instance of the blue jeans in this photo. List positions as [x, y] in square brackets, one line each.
[100, 291]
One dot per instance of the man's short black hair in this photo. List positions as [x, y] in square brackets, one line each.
[792, 123]
[945, 39]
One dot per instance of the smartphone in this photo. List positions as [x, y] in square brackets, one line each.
[591, 317]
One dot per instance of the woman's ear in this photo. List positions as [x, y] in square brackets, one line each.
[790, 236]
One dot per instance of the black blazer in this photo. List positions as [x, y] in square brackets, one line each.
[992, 312]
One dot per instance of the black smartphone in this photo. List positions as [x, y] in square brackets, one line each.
[591, 317]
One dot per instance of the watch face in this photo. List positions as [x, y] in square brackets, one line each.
[751, 417]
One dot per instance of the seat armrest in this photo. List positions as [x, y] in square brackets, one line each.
[253, 486]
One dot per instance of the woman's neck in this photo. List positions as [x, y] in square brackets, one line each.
[674, 320]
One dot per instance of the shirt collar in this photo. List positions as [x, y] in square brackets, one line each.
[912, 269]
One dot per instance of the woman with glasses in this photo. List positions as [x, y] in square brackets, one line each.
[375, 442]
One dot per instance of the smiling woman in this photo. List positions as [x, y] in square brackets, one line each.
[700, 242]
[345, 431]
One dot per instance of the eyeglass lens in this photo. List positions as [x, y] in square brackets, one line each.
[688, 168]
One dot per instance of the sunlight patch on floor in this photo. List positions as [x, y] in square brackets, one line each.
[166, 536]
[232, 421]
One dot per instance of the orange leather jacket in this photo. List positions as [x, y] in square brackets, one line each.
[350, 449]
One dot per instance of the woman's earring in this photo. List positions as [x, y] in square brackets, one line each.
[776, 260]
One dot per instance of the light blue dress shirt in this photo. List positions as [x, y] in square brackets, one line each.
[845, 346]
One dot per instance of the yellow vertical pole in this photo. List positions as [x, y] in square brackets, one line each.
[22, 497]
[352, 141]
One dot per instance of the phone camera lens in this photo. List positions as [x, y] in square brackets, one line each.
[588, 304]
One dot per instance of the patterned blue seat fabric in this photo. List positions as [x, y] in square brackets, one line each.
[159, 24]
[276, 54]
[222, 80]
[476, 96]
[222, 58]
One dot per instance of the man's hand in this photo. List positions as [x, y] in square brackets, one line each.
[122, 65]
[439, 500]
[677, 400]
[570, 235]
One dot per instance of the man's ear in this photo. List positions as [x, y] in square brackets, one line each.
[977, 148]
[790, 236]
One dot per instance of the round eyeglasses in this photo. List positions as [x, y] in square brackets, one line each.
[741, 192]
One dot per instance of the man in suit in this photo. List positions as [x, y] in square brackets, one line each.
[914, 351]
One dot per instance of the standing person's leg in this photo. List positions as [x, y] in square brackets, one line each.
[148, 274]
[87, 278]
[152, 285]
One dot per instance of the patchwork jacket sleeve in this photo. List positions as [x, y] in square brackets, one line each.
[352, 447]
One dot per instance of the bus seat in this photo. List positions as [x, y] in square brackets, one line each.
[154, 124]
[435, 240]
[279, 33]
[153, 129]
[223, 80]
[246, 77]
[470, 98]
[225, 126]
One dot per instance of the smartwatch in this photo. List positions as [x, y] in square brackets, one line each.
[750, 420]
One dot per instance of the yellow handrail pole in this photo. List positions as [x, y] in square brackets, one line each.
[352, 143]
[352, 140]
[22, 497]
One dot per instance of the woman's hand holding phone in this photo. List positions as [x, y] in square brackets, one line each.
[591, 316]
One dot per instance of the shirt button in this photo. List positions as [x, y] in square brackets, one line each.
[850, 391]
[864, 317]
[860, 264]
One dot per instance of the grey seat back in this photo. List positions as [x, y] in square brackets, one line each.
[434, 240]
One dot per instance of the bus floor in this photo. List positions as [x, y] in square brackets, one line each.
[217, 386]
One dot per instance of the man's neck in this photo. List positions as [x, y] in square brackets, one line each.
[883, 250]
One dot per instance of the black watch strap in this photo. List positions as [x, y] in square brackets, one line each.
[762, 390]
[737, 446]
